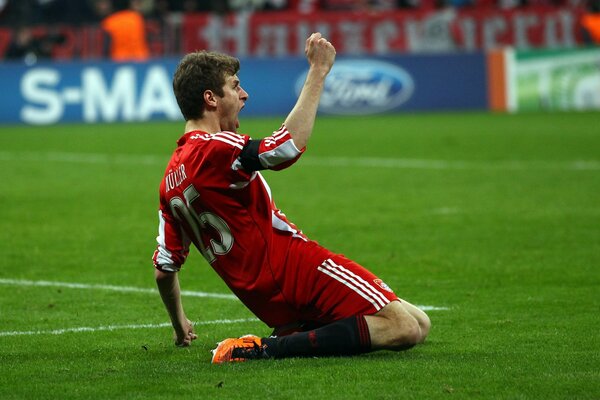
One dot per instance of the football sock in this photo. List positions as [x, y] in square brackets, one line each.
[344, 337]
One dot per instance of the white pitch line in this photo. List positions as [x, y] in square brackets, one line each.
[131, 289]
[431, 308]
[363, 162]
[119, 327]
[123, 289]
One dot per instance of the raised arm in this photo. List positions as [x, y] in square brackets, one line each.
[320, 54]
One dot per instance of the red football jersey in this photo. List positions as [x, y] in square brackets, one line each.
[207, 198]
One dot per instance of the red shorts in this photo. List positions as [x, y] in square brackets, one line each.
[322, 287]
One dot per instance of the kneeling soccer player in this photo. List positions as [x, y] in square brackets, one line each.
[214, 197]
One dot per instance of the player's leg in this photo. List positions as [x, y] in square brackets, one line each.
[392, 328]
[395, 328]
[421, 317]
[357, 313]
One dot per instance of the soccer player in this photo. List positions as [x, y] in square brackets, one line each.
[214, 197]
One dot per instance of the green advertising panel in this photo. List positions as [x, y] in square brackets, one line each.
[557, 80]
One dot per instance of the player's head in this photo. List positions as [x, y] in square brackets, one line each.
[198, 72]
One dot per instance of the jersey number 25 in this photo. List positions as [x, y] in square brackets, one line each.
[198, 223]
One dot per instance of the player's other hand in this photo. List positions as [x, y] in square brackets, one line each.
[320, 53]
[185, 336]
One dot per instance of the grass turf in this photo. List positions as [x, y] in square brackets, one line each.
[496, 217]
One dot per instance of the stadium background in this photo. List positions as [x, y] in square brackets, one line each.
[499, 56]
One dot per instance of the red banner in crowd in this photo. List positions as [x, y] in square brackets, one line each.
[284, 33]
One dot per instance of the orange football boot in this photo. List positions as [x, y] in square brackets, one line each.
[248, 347]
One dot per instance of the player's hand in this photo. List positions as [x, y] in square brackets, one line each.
[319, 52]
[185, 337]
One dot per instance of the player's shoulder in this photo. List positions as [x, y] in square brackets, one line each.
[230, 138]
[219, 139]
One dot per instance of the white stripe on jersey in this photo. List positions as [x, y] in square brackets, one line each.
[283, 226]
[280, 133]
[163, 256]
[265, 185]
[286, 151]
[370, 288]
[351, 286]
[224, 140]
[276, 222]
[355, 282]
[231, 136]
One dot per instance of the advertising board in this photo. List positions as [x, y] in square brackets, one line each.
[48, 93]
[557, 80]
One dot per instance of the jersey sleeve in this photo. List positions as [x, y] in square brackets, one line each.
[173, 244]
[275, 152]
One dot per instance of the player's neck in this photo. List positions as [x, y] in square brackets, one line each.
[203, 124]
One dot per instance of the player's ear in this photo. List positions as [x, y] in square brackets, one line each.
[210, 98]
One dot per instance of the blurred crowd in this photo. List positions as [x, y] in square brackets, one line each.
[20, 12]
[34, 26]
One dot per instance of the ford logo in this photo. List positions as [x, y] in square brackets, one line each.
[363, 87]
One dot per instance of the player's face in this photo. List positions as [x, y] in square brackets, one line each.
[233, 100]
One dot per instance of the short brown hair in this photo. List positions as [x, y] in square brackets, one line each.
[197, 72]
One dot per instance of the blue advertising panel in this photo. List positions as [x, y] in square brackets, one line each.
[49, 93]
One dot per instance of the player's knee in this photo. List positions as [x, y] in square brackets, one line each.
[402, 333]
[407, 333]
[425, 325]
[401, 330]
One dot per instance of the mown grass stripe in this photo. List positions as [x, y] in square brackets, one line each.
[345, 162]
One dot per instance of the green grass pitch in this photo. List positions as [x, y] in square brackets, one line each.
[494, 218]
